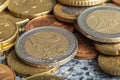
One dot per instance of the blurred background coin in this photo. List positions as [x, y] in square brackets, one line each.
[48, 20]
[6, 73]
[86, 49]
[30, 8]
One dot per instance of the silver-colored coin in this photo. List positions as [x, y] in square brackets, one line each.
[46, 46]
[101, 23]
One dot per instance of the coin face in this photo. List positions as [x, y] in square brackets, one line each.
[31, 8]
[26, 70]
[8, 30]
[48, 20]
[44, 77]
[47, 46]
[101, 23]
[6, 73]
[86, 49]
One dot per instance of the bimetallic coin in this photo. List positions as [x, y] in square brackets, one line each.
[6, 73]
[101, 23]
[47, 20]
[68, 13]
[82, 2]
[30, 8]
[26, 70]
[110, 64]
[3, 4]
[47, 46]
[86, 49]
[44, 77]
[8, 31]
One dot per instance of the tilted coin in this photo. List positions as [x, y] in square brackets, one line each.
[6, 73]
[110, 64]
[82, 2]
[116, 1]
[86, 49]
[101, 23]
[46, 46]
[26, 70]
[30, 8]
[68, 13]
[47, 20]
[8, 31]
[108, 49]
[3, 4]
[44, 77]
[18, 21]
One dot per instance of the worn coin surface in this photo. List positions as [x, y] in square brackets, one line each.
[101, 23]
[6, 73]
[81, 2]
[30, 8]
[47, 20]
[44, 77]
[47, 46]
[109, 64]
[8, 31]
[68, 13]
[86, 49]
[26, 70]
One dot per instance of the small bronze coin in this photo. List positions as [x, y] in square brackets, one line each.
[26, 70]
[116, 1]
[44, 77]
[108, 49]
[109, 64]
[47, 20]
[30, 8]
[6, 73]
[86, 49]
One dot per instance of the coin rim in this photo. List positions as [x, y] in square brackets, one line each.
[92, 34]
[32, 60]
[4, 5]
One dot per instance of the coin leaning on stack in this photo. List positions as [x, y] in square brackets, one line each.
[101, 24]
[39, 52]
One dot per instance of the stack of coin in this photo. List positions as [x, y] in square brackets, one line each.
[69, 10]
[8, 34]
[101, 24]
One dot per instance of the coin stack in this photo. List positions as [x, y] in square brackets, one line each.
[101, 24]
[47, 40]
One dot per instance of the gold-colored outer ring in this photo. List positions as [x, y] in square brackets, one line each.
[4, 5]
[82, 2]
[60, 15]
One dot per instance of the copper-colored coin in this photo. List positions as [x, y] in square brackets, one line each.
[86, 49]
[6, 73]
[48, 20]
[117, 1]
